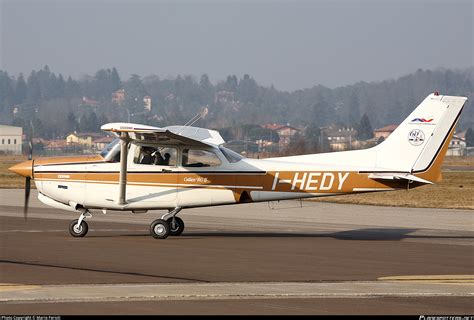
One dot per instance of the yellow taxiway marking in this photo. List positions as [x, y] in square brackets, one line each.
[4, 287]
[445, 278]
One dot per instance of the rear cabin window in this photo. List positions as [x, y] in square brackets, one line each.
[161, 156]
[199, 158]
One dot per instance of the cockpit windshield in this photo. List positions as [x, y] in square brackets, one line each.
[111, 151]
[230, 155]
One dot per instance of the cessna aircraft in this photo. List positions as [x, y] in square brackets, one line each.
[178, 167]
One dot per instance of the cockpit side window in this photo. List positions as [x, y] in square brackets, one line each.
[199, 158]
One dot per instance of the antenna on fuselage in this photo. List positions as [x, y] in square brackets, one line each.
[200, 115]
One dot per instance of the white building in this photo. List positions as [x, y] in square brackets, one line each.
[457, 146]
[147, 102]
[10, 139]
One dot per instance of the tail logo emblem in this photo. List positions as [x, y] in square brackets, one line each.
[423, 120]
[416, 137]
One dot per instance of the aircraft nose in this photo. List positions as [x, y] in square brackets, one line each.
[24, 169]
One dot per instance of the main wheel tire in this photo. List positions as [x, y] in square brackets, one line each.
[177, 228]
[160, 229]
[77, 230]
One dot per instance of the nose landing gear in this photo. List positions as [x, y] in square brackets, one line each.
[78, 227]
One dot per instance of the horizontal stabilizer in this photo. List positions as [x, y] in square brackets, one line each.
[397, 176]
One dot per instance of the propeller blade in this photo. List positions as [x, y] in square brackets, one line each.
[28, 179]
[27, 196]
[30, 151]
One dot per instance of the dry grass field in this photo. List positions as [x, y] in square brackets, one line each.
[455, 191]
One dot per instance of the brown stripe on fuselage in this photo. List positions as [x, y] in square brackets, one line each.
[278, 181]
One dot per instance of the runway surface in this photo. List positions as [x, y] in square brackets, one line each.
[316, 259]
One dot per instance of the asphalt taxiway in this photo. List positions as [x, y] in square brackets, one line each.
[278, 258]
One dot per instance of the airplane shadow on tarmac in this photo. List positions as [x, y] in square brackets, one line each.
[377, 234]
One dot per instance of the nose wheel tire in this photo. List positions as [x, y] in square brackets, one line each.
[160, 229]
[78, 230]
[176, 227]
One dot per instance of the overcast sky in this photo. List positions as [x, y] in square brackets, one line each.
[290, 44]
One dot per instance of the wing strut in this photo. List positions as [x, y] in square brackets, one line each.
[124, 141]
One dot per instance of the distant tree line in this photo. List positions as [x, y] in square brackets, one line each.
[53, 104]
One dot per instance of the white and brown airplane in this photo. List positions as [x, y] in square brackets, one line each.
[178, 167]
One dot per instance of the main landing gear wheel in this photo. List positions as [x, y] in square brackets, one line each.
[176, 226]
[160, 229]
[78, 230]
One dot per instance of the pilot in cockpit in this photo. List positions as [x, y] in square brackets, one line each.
[167, 159]
[146, 155]
[162, 160]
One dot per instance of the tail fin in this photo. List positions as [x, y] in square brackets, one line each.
[423, 138]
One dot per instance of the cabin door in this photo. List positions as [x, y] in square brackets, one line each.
[153, 176]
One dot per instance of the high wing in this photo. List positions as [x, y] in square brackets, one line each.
[173, 135]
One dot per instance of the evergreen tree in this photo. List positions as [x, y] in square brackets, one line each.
[469, 138]
[206, 90]
[83, 124]
[102, 119]
[134, 93]
[44, 79]
[231, 83]
[38, 129]
[93, 123]
[320, 112]
[20, 89]
[33, 94]
[204, 82]
[248, 89]
[364, 130]
[72, 122]
[101, 80]
[312, 136]
[354, 109]
[60, 86]
[116, 83]
[6, 90]
[71, 88]
[52, 87]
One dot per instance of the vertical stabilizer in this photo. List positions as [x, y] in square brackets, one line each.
[419, 144]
